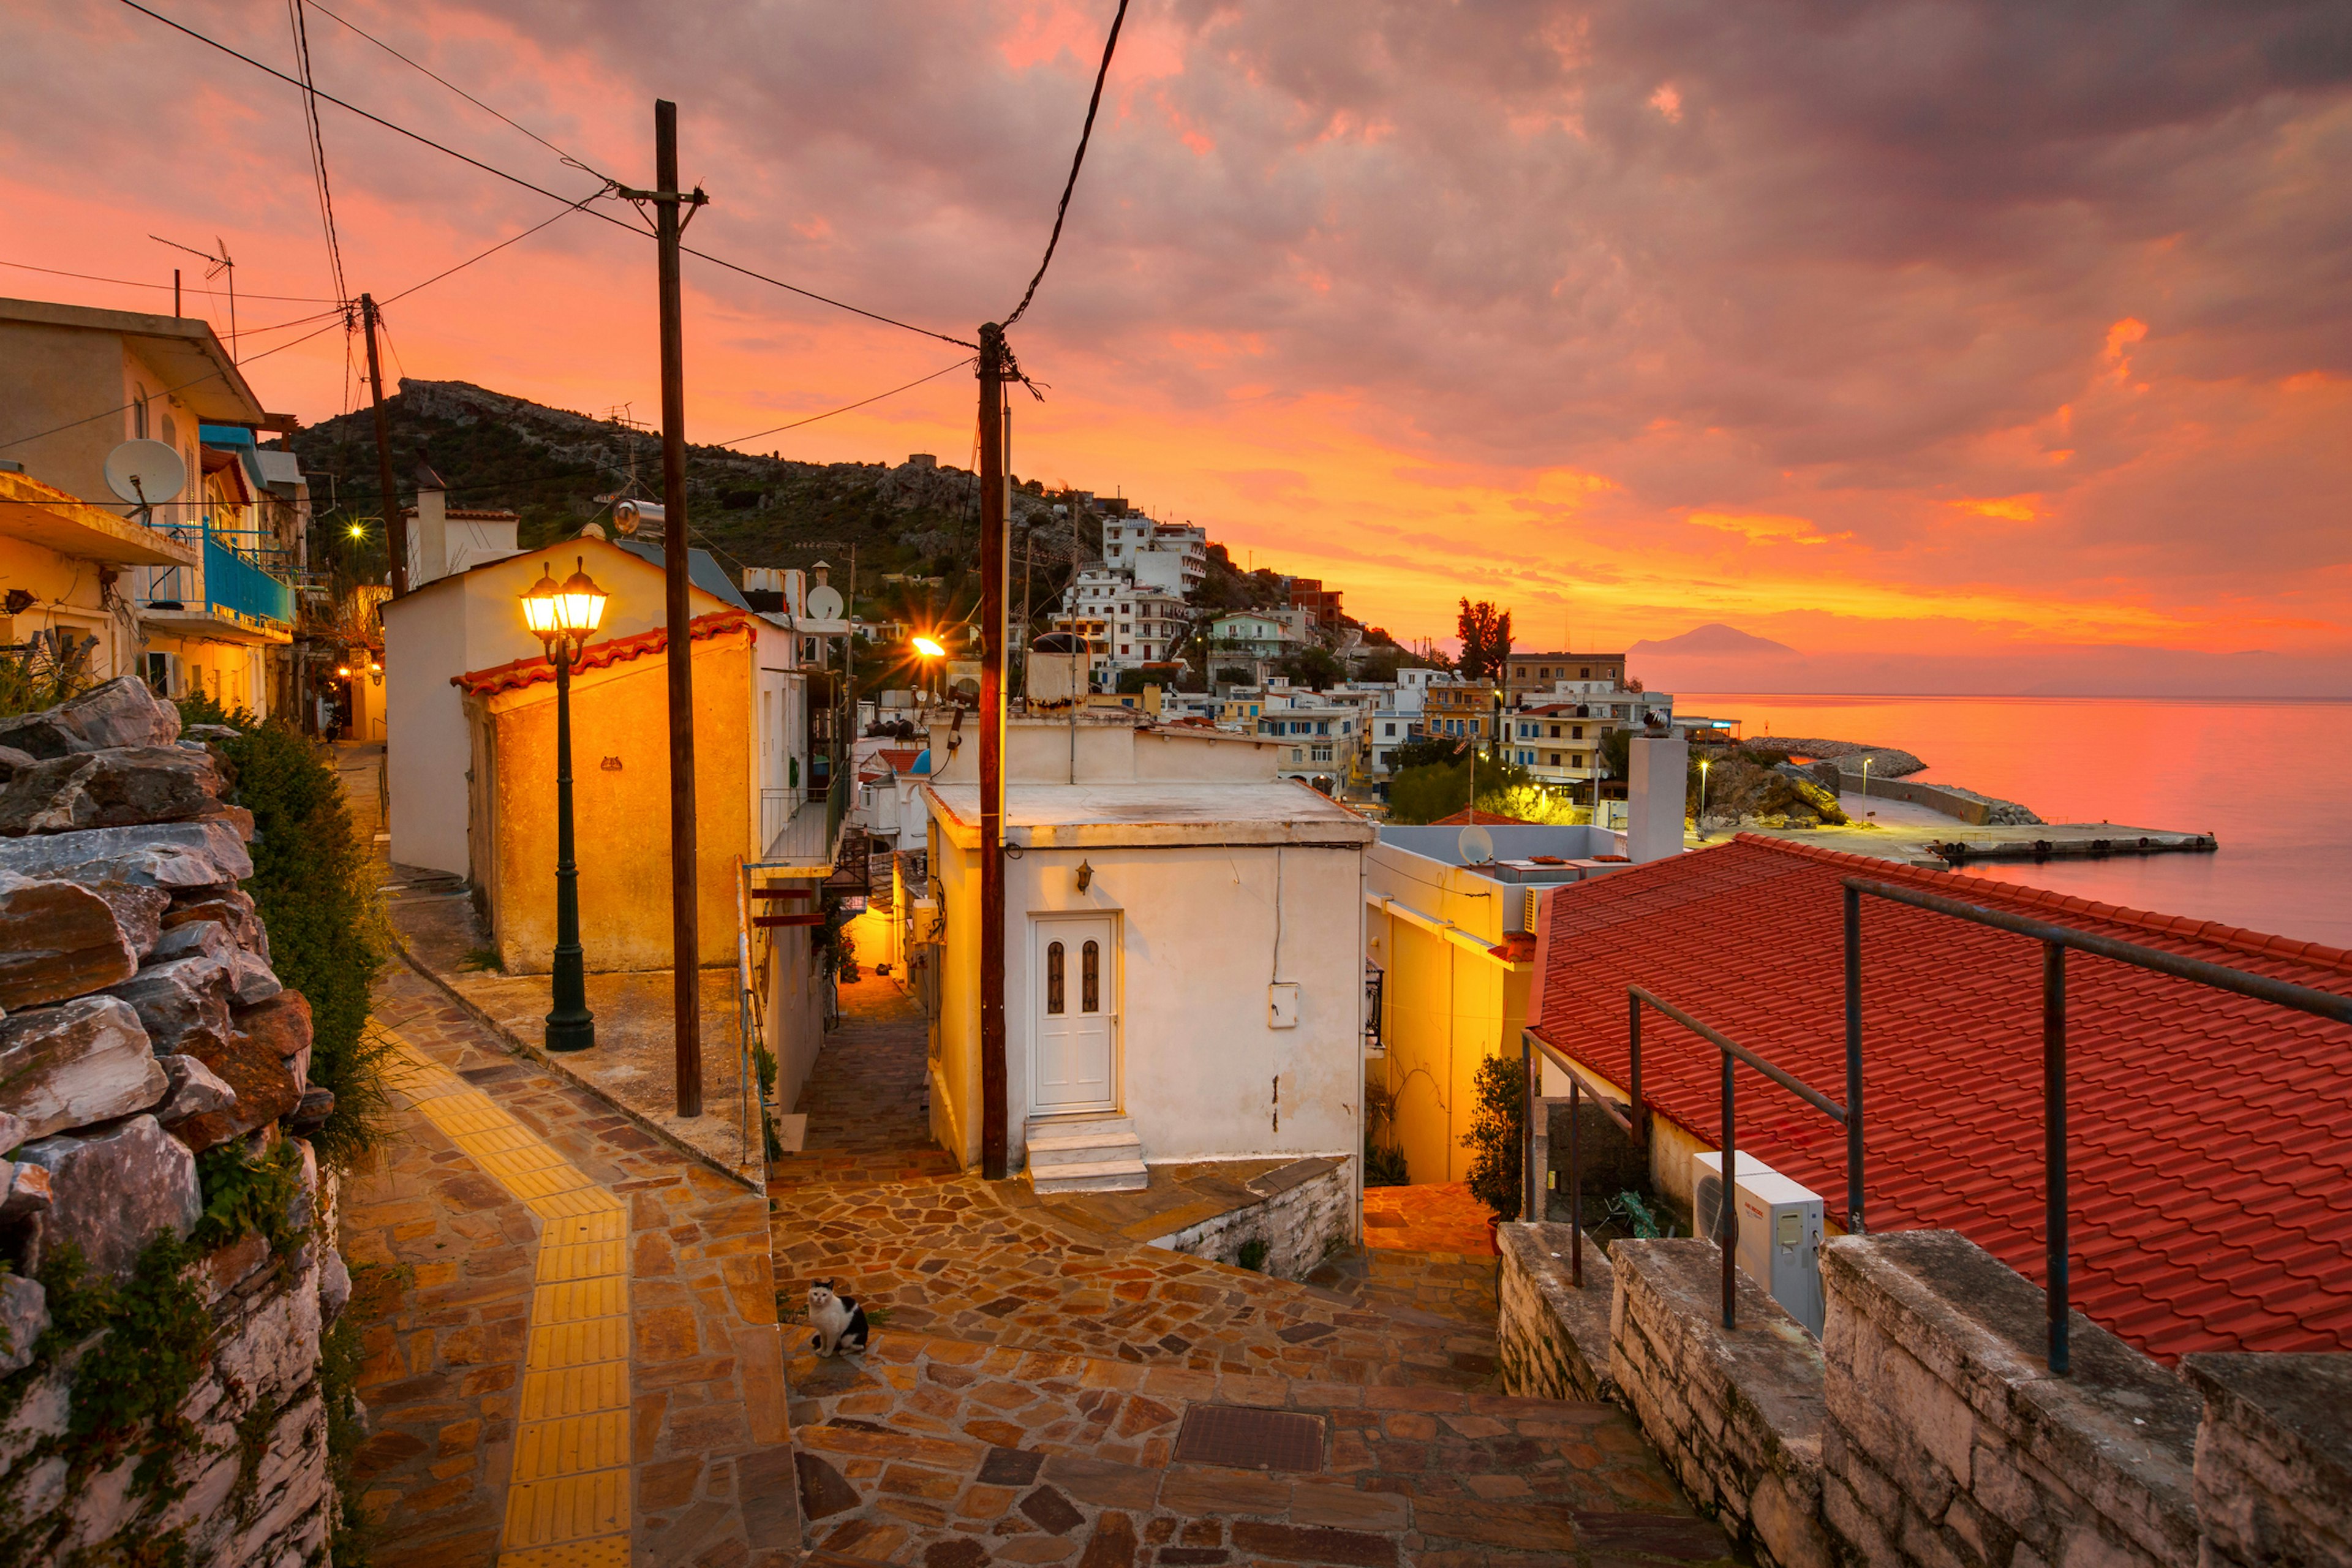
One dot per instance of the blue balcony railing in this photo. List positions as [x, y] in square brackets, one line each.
[234, 582]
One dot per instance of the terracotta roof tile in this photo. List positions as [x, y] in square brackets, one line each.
[2210, 1183]
[523, 672]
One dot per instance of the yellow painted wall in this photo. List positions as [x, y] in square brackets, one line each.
[621, 811]
[66, 597]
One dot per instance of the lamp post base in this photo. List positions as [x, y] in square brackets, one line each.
[570, 1034]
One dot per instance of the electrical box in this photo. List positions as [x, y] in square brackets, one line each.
[1780, 1230]
[1282, 1004]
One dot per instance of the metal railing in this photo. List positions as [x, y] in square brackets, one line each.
[2056, 940]
[1634, 1121]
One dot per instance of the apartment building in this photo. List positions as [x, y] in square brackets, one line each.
[1170, 557]
[1525, 674]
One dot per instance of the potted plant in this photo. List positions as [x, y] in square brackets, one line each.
[1497, 1130]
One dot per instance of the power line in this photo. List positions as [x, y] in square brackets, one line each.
[1086, 134]
[579, 205]
[576, 161]
[779, 429]
[541, 190]
[135, 283]
[318, 146]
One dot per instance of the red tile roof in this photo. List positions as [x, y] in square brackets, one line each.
[2210, 1166]
[524, 672]
[1469, 817]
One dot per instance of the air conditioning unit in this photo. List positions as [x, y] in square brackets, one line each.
[1780, 1230]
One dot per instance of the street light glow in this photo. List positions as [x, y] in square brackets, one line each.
[930, 648]
[358, 530]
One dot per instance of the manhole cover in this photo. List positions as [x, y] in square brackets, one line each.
[1249, 1439]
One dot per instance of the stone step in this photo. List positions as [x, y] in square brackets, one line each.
[929, 1450]
[1105, 1177]
[1080, 1127]
[1085, 1149]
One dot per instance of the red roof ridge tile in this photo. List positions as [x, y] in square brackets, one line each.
[2262, 943]
[517, 673]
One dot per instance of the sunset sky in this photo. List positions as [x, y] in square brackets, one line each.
[1943, 342]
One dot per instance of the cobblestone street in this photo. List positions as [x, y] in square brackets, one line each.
[1031, 1383]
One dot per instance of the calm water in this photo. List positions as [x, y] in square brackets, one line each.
[2267, 778]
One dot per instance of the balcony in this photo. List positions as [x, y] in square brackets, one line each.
[229, 594]
[800, 828]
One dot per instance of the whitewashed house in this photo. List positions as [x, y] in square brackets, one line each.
[1183, 955]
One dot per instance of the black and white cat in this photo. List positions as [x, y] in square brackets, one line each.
[839, 1320]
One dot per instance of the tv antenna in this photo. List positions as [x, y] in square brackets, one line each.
[218, 265]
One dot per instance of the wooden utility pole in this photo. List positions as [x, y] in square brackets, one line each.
[991, 753]
[395, 523]
[686, 930]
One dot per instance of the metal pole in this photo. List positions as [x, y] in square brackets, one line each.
[1852, 1062]
[395, 523]
[1727, 1226]
[1640, 1128]
[1527, 1130]
[569, 1025]
[1575, 1185]
[686, 932]
[2053, 1124]
[993, 1138]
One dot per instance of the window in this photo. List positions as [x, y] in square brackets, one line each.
[1585, 673]
[1053, 998]
[1576, 731]
[1322, 754]
[1388, 728]
[1555, 759]
[1090, 978]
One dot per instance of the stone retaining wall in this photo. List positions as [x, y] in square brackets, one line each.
[145, 1026]
[1737, 1415]
[1308, 1209]
[2274, 1477]
[1554, 1338]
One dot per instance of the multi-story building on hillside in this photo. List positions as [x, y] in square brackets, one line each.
[1172, 557]
[1463, 710]
[1528, 673]
[1134, 625]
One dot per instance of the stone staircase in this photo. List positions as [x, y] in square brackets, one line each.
[953, 1455]
[1096, 1154]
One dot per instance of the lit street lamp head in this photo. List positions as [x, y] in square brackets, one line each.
[568, 609]
[929, 648]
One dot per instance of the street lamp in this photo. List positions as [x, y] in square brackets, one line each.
[1704, 764]
[562, 615]
[929, 649]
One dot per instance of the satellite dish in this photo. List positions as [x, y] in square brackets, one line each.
[144, 472]
[825, 603]
[1477, 846]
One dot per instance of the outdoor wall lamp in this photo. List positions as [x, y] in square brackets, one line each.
[562, 615]
[1086, 876]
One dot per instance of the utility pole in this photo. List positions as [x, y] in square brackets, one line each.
[991, 753]
[686, 931]
[395, 523]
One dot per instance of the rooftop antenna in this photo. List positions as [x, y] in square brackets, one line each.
[219, 264]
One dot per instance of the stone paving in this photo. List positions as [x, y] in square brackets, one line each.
[449, 1362]
[1030, 1379]
[1440, 1217]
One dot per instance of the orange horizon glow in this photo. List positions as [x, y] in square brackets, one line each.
[2116, 475]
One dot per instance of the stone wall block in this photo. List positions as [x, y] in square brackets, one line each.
[195, 1090]
[23, 1317]
[85, 1061]
[120, 787]
[58, 939]
[121, 713]
[251, 980]
[171, 854]
[231, 907]
[26, 1192]
[183, 1001]
[2274, 1465]
[111, 1190]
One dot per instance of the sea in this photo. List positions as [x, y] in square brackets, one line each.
[2269, 778]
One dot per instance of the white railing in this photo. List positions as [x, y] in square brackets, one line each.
[793, 828]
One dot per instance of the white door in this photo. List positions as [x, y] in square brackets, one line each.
[1075, 1009]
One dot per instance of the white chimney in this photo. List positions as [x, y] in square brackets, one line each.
[1655, 797]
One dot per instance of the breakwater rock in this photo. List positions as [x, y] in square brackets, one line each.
[1885, 762]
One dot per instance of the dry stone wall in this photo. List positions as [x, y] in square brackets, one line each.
[159, 1370]
[1307, 1208]
[1553, 1336]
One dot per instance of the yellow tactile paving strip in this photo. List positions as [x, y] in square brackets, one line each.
[568, 1495]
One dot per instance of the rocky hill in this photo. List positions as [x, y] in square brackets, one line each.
[552, 465]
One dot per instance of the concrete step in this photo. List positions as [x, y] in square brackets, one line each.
[1080, 1127]
[1093, 1176]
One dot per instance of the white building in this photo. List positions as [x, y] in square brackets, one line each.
[1134, 625]
[1184, 957]
[1559, 740]
[1171, 557]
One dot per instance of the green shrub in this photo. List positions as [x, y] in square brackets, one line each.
[314, 886]
[1384, 1167]
[243, 1196]
[1252, 1255]
[1496, 1127]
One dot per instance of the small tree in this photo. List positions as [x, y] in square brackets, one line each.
[1496, 1129]
[1486, 634]
[1317, 669]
